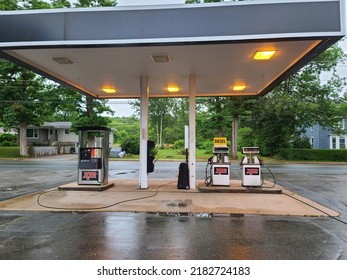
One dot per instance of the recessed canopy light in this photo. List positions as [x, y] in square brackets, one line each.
[264, 55]
[239, 87]
[160, 58]
[63, 60]
[173, 88]
[109, 90]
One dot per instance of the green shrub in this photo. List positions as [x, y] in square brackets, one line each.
[301, 143]
[313, 154]
[8, 140]
[131, 145]
[179, 144]
[205, 145]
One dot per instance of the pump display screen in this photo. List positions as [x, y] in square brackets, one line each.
[220, 170]
[251, 171]
[250, 150]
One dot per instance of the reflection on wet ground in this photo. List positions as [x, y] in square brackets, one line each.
[33, 235]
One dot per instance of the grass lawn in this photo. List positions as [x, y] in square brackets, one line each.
[172, 154]
[9, 152]
[179, 154]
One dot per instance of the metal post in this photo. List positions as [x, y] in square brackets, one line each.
[144, 101]
[192, 137]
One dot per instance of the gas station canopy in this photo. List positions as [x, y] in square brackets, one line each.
[103, 52]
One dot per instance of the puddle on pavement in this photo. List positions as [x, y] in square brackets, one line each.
[183, 214]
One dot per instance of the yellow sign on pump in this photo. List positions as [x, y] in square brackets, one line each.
[220, 141]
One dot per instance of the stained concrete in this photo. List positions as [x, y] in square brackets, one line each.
[163, 197]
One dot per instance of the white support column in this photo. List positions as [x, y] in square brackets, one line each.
[144, 102]
[192, 137]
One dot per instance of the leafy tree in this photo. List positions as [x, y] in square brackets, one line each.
[60, 4]
[122, 127]
[160, 113]
[22, 95]
[69, 105]
[91, 113]
[65, 103]
[35, 4]
[342, 105]
[8, 5]
[215, 110]
[299, 102]
[95, 3]
[179, 117]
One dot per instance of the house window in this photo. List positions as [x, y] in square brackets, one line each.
[312, 128]
[342, 124]
[67, 131]
[342, 143]
[333, 142]
[32, 133]
[311, 141]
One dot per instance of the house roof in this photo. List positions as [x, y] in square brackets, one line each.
[62, 125]
[93, 48]
[54, 125]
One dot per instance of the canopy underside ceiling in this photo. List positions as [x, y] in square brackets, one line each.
[93, 49]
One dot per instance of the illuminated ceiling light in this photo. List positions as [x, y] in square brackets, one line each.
[263, 55]
[63, 60]
[173, 89]
[109, 90]
[160, 58]
[239, 87]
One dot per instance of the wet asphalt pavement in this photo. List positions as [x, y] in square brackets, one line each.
[109, 235]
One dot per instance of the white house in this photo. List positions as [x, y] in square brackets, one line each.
[53, 134]
[54, 138]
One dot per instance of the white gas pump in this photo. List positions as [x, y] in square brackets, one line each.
[93, 155]
[251, 167]
[219, 164]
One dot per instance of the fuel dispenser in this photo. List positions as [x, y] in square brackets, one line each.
[219, 164]
[251, 167]
[93, 155]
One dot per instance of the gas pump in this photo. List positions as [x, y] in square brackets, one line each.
[93, 155]
[251, 167]
[219, 164]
